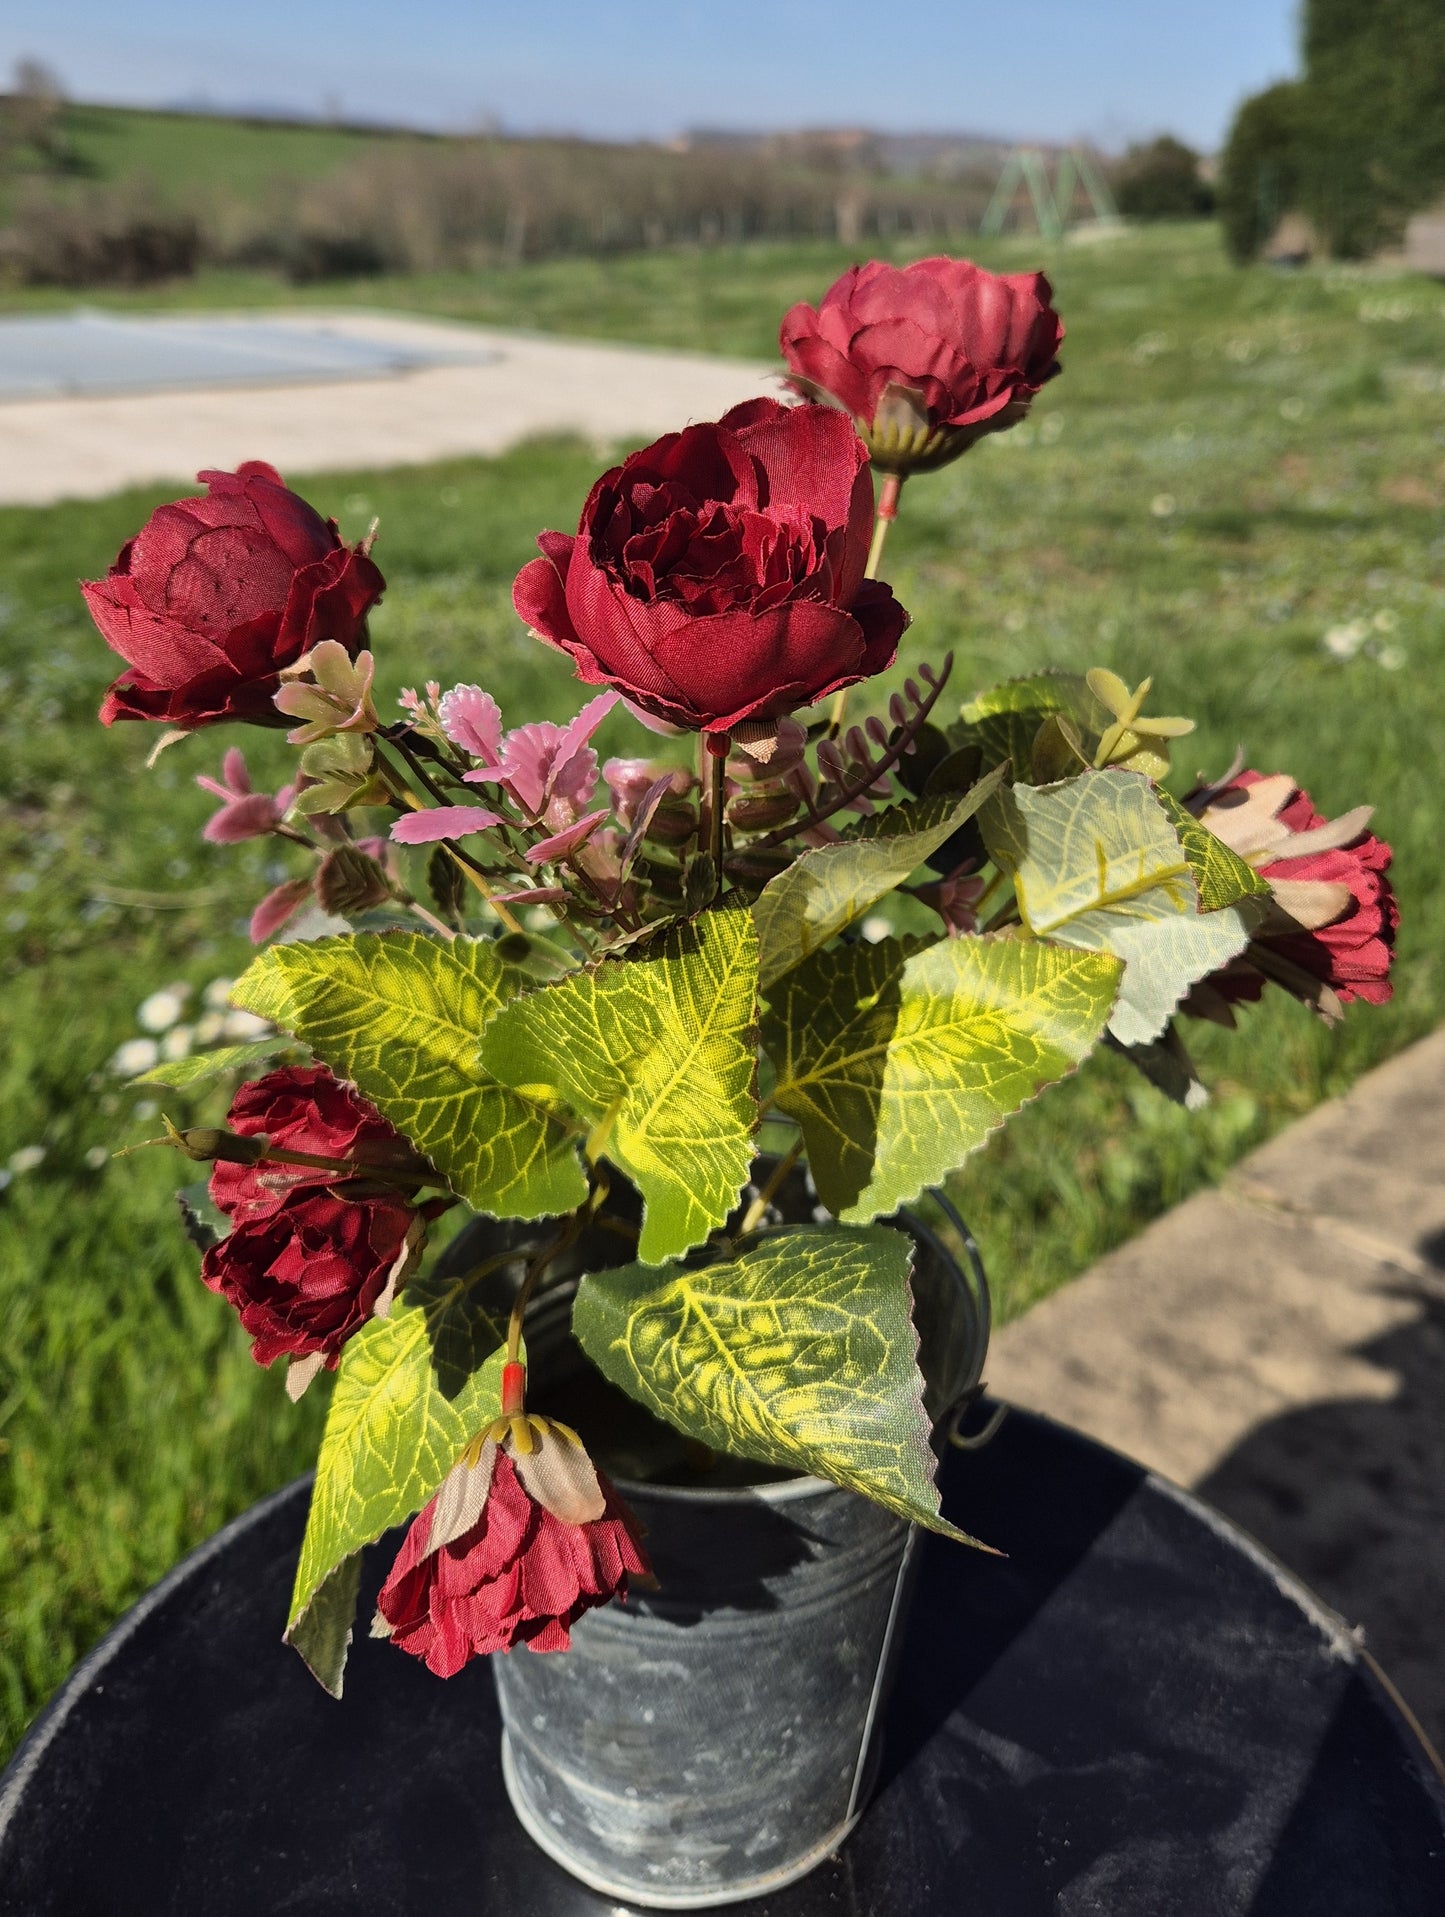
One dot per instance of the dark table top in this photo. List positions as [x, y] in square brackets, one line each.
[1135, 1714]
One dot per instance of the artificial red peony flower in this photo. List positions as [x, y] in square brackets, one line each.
[304, 1108]
[927, 358]
[315, 1251]
[1330, 933]
[515, 1546]
[307, 1274]
[216, 596]
[717, 576]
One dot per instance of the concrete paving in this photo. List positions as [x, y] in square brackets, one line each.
[1279, 1345]
[509, 387]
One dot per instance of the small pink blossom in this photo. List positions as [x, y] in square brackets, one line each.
[631, 782]
[244, 813]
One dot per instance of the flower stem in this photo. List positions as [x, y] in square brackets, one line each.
[884, 518]
[757, 1210]
[716, 745]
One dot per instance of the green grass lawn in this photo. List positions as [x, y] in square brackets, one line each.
[1232, 466]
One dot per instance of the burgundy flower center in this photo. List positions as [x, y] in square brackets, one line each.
[711, 555]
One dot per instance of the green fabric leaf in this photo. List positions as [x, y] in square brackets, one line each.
[401, 1014]
[657, 1054]
[897, 1062]
[826, 889]
[179, 1073]
[800, 1352]
[412, 1390]
[1005, 720]
[1096, 863]
[1223, 878]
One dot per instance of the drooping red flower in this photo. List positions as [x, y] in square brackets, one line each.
[717, 576]
[315, 1251]
[1333, 915]
[303, 1108]
[216, 596]
[519, 1574]
[926, 358]
[308, 1273]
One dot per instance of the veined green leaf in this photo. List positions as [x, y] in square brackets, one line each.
[800, 1352]
[826, 889]
[412, 1390]
[1005, 720]
[1096, 863]
[178, 1073]
[897, 1061]
[1223, 878]
[657, 1055]
[401, 1015]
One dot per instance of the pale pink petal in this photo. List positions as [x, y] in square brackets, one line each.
[443, 822]
[471, 719]
[248, 818]
[561, 843]
[663, 727]
[233, 771]
[274, 910]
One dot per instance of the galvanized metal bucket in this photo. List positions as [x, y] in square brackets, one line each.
[715, 1738]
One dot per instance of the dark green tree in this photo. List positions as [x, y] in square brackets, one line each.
[1359, 144]
[1160, 180]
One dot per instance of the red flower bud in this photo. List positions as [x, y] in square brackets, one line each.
[928, 358]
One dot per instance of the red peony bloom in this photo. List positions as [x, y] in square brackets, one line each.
[1333, 914]
[717, 576]
[519, 1574]
[214, 597]
[303, 1108]
[315, 1252]
[312, 1270]
[927, 358]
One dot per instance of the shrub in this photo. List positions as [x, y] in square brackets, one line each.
[1160, 180]
[117, 236]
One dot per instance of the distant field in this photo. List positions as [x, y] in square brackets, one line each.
[1232, 467]
[182, 153]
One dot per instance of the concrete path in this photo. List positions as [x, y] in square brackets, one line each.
[84, 447]
[1279, 1345]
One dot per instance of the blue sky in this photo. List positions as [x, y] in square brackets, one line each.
[1110, 70]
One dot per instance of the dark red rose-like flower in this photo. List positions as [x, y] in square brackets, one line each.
[717, 576]
[308, 1273]
[303, 1108]
[216, 596]
[1333, 914]
[518, 1575]
[927, 358]
[315, 1251]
